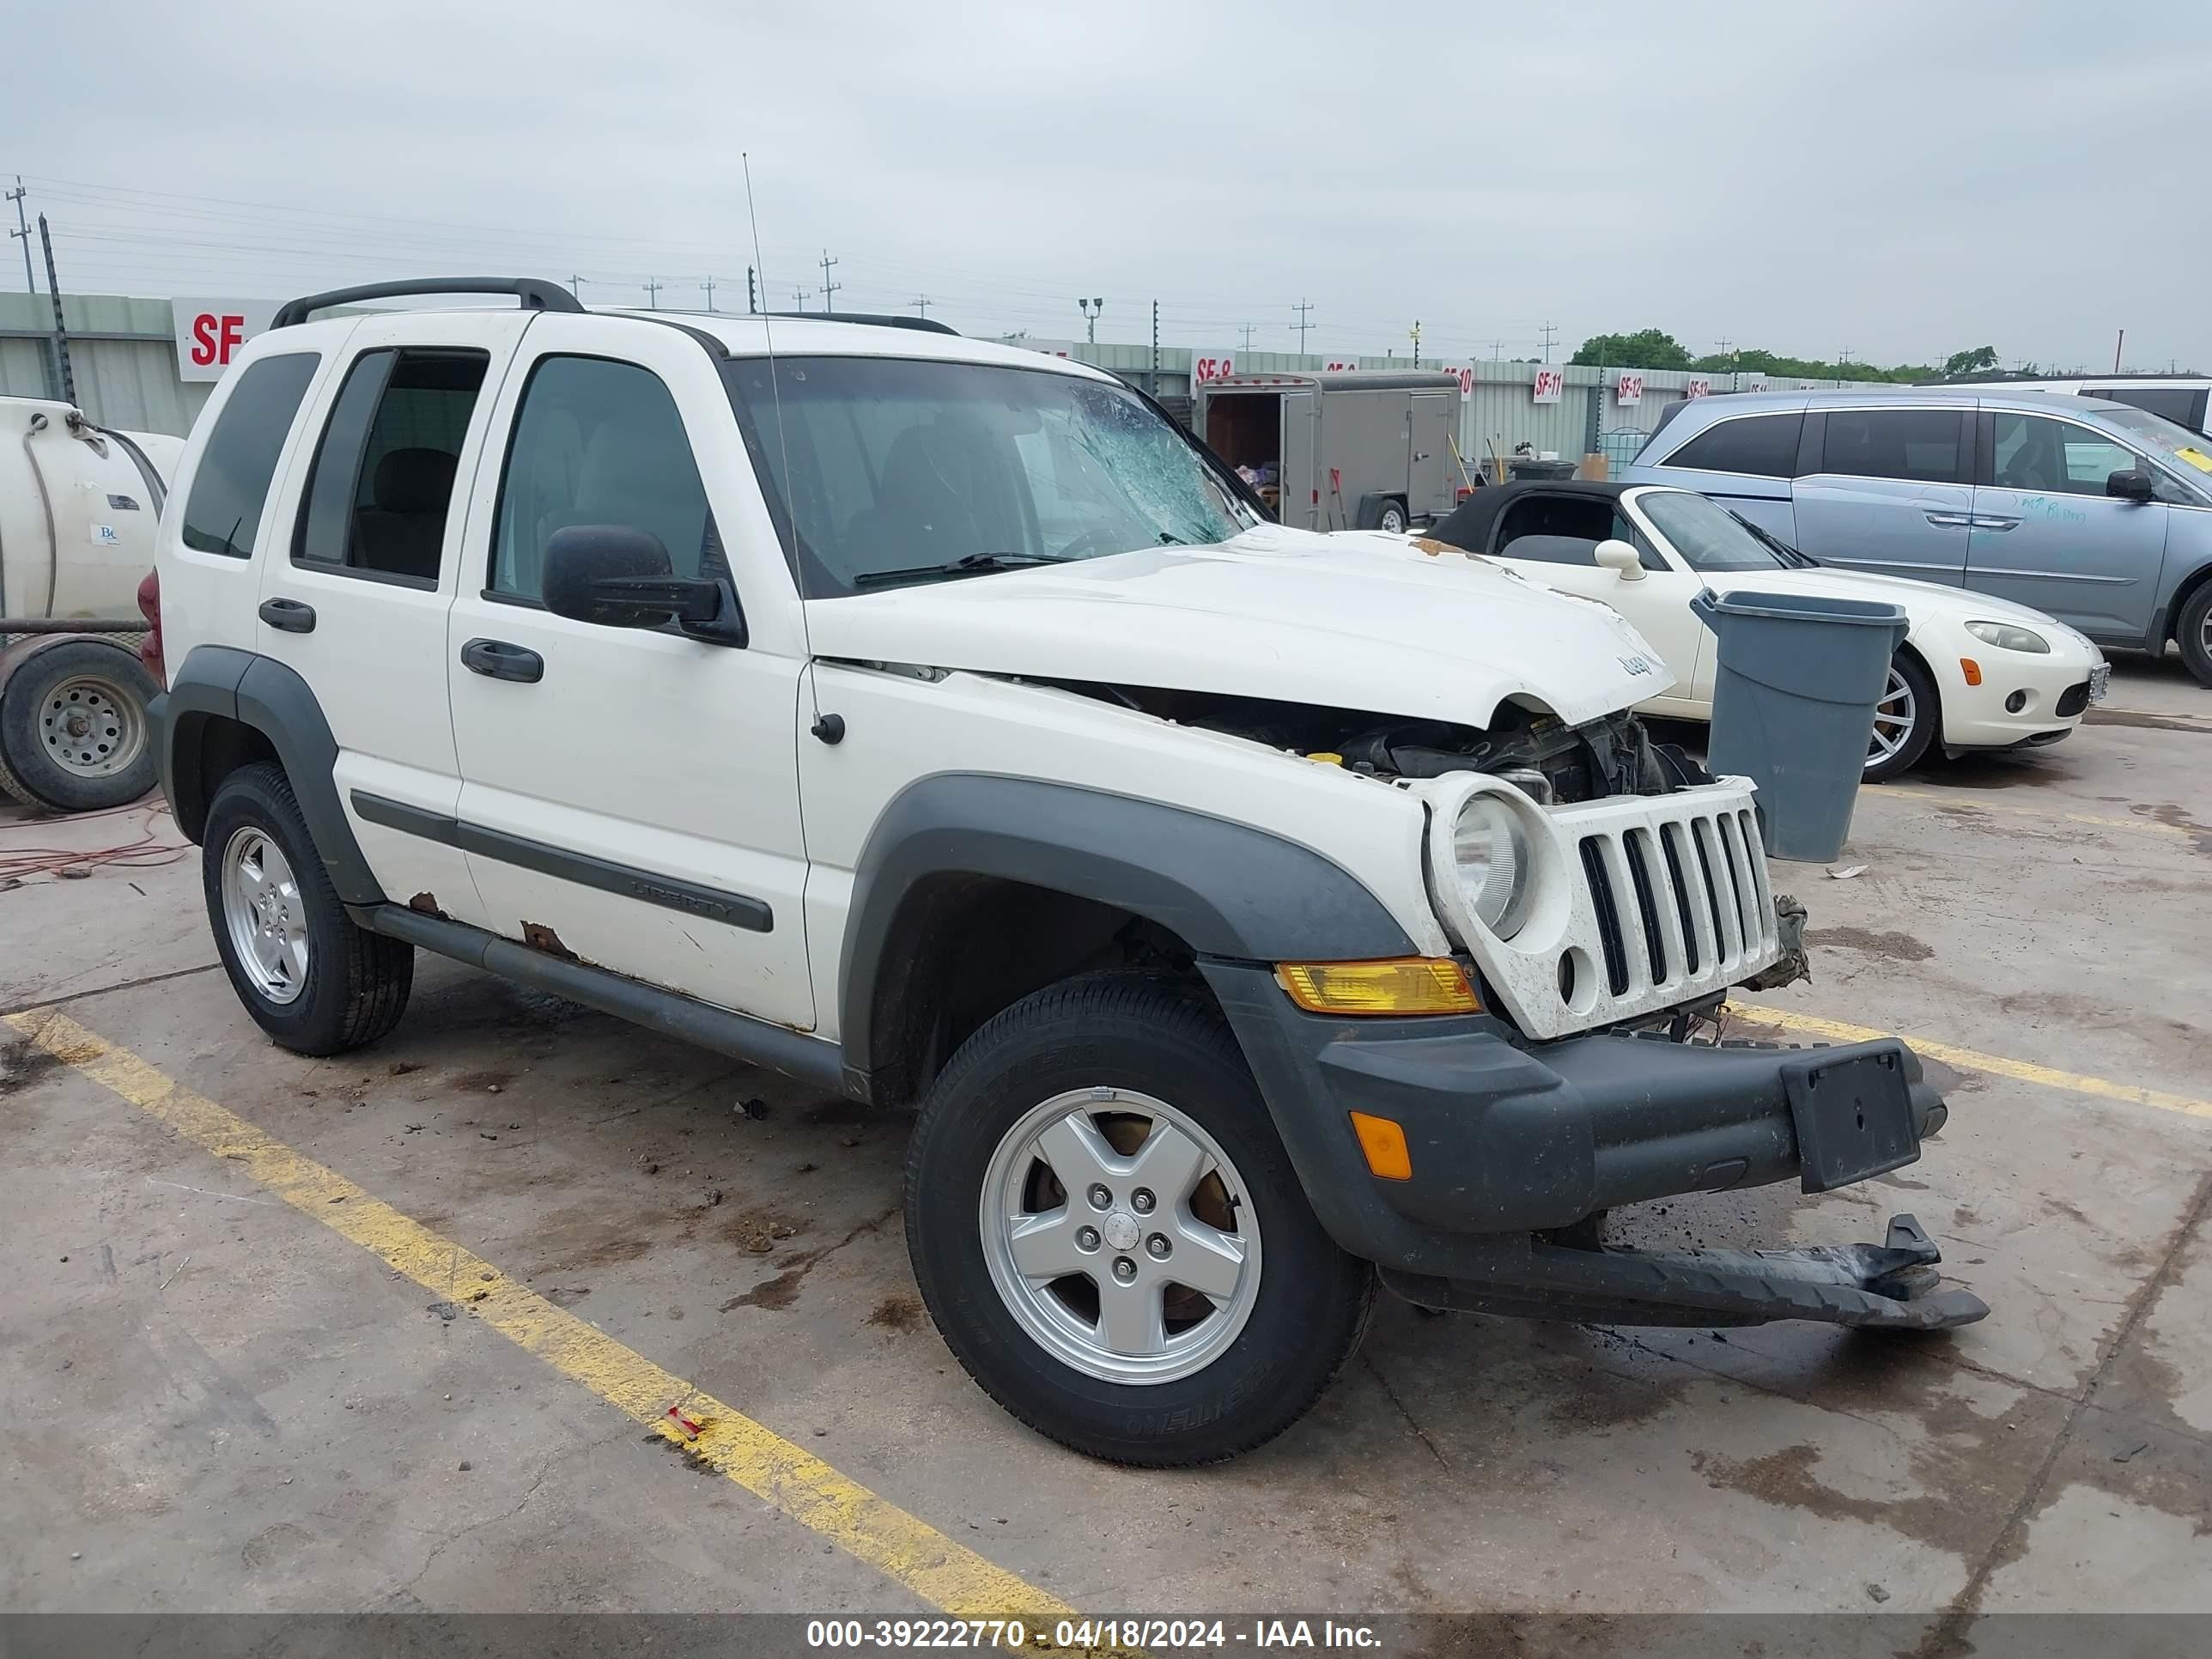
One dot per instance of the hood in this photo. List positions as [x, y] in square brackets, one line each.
[1922, 600]
[1355, 621]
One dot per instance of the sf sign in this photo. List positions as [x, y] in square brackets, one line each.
[1206, 370]
[1551, 385]
[209, 333]
[1628, 389]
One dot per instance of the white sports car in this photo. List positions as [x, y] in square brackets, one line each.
[1974, 672]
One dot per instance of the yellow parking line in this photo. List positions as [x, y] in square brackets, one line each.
[1972, 1059]
[912, 1552]
[2148, 826]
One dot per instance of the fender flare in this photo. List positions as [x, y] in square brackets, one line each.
[222, 682]
[1227, 890]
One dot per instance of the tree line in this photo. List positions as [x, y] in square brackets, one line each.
[1653, 347]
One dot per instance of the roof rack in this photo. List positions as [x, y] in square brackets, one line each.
[535, 293]
[873, 318]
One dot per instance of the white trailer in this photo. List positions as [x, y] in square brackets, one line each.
[1357, 449]
[78, 505]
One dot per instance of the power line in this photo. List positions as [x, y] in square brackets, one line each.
[1301, 308]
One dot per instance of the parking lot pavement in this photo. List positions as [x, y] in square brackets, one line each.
[223, 1401]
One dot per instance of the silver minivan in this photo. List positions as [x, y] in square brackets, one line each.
[2095, 513]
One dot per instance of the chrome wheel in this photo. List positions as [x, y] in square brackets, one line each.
[1894, 718]
[92, 727]
[1118, 1235]
[266, 917]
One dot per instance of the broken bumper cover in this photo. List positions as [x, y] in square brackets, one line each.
[1508, 1140]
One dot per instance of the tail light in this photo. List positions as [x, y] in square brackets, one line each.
[150, 648]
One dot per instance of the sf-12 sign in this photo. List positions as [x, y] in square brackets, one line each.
[1698, 388]
[211, 332]
[1551, 385]
[1207, 366]
[1628, 389]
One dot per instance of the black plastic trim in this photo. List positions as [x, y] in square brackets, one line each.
[1224, 889]
[867, 319]
[816, 1062]
[221, 682]
[737, 910]
[535, 293]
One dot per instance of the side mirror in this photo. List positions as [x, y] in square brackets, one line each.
[1622, 559]
[2129, 486]
[618, 577]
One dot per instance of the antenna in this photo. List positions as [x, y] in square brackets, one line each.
[820, 728]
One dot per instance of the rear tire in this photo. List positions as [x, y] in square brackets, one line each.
[312, 979]
[2192, 632]
[73, 734]
[1393, 520]
[1127, 1079]
[1906, 721]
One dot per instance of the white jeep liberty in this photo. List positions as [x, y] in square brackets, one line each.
[1243, 909]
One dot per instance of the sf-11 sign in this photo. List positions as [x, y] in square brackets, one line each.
[1551, 385]
[211, 332]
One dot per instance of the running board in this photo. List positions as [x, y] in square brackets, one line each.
[1887, 1286]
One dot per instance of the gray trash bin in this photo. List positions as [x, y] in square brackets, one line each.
[1793, 707]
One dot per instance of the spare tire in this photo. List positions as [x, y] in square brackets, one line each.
[75, 731]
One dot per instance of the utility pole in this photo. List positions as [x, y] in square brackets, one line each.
[577, 286]
[1416, 333]
[1497, 350]
[1246, 330]
[799, 298]
[709, 286]
[1551, 332]
[653, 295]
[829, 287]
[1301, 308]
[1091, 310]
[17, 195]
[753, 304]
[61, 333]
[2116, 344]
[921, 303]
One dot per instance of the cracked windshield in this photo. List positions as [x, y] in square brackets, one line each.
[894, 472]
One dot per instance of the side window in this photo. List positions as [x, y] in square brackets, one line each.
[1763, 445]
[231, 484]
[597, 441]
[382, 481]
[2180, 404]
[2032, 452]
[1919, 444]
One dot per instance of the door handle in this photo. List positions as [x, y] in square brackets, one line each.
[290, 615]
[1955, 520]
[1982, 522]
[497, 659]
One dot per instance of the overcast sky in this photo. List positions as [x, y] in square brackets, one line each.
[1898, 181]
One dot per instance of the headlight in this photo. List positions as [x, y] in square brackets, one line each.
[2006, 637]
[1490, 852]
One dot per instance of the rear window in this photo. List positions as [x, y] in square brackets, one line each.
[1763, 445]
[231, 484]
[1920, 445]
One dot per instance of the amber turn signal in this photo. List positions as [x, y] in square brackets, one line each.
[1383, 1144]
[1409, 985]
[1972, 670]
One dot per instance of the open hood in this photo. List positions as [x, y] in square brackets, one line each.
[1356, 621]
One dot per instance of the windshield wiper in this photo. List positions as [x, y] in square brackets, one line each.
[972, 564]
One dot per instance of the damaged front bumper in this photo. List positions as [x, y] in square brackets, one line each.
[1512, 1142]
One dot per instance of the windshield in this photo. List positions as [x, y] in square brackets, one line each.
[883, 471]
[2189, 453]
[1708, 537]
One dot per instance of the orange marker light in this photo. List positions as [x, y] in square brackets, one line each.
[1411, 985]
[1972, 670]
[1384, 1145]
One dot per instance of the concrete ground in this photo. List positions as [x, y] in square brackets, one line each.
[217, 1401]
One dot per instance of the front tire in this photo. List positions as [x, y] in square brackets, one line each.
[312, 979]
[1086, 1156]
[2192, 632]
[1906, 721]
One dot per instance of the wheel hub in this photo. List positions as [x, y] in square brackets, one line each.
[1122, 1230]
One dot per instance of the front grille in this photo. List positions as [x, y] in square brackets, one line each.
[1715, 917]
[2072, 701]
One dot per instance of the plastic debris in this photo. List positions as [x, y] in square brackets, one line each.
[1847, 872]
